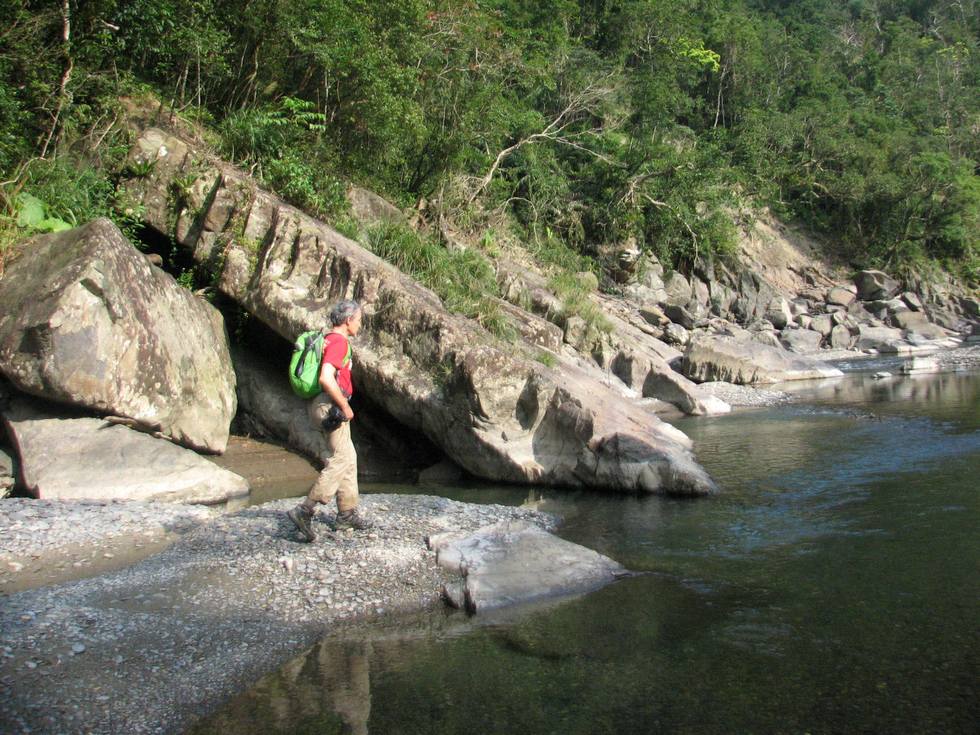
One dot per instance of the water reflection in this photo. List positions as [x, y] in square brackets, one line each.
[327, 689]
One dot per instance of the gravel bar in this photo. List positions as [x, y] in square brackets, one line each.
[154, 646]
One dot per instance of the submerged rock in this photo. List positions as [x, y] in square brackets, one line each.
[515, 561]
[86, 320]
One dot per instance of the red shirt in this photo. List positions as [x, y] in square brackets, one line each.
[336, 352]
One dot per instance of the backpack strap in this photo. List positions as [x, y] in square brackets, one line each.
[347, 358]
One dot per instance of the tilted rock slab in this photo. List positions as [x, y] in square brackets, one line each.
[515, 561]
[493, 409]
[747, 361]
[86, 320]
[87, 458]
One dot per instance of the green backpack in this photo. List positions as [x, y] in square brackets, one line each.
[304, 367]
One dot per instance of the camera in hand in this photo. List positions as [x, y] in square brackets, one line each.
[334, 418]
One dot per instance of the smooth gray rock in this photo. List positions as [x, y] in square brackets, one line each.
[86, 320]
[76, 458]
[653, 377]
[515, 561]
[801, 341]
[908, 319]
[882, 339]
[745, 362]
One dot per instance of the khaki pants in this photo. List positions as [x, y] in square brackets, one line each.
[339, 474]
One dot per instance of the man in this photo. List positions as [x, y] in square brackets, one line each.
[339, 475]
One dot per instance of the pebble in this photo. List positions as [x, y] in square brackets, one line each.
[78, 648]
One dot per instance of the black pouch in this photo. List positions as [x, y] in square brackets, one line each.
[333, 420]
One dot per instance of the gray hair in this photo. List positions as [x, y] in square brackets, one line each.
[342, 311]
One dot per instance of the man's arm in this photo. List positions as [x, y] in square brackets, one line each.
[328, 383]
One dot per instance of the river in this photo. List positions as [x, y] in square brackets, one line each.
[832, 587]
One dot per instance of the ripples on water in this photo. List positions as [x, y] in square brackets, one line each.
[831, 588]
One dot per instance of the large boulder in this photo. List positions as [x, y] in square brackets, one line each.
[87, 458]
[515, 561]
[882, 339]
[495, 410]
[744, 362]
[678, 290]
[801, 341]
[875, 285]
[823, 324]
[779, 313]
[840, 337]
[86, 320]
[841, 296]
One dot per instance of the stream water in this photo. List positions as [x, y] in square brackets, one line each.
[833, 587]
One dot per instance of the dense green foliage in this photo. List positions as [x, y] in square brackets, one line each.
[588, 121]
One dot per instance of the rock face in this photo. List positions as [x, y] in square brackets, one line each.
[86, 320]
[744, 362]
[493, 409]
[516, 561]
[85, 458]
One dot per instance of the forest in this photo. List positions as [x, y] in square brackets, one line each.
[583, 124]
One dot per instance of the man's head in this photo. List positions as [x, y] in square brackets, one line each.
[346, 313]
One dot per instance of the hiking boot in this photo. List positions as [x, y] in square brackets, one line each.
[352, 519]
[301, 518]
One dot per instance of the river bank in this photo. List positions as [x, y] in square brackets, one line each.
[228, 601]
